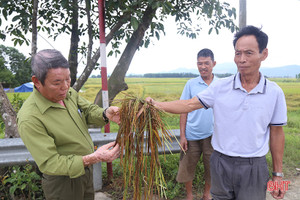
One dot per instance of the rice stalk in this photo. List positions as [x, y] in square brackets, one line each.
[142, 132]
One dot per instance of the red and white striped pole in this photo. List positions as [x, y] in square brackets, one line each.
[105, 100]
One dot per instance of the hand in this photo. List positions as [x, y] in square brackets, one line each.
[112, 113]
[106, 153]
[279, 192]
[150, 100]
[184, 143]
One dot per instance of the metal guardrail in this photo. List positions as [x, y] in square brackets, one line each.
[14, 152]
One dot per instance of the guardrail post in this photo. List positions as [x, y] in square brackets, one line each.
[97, 176]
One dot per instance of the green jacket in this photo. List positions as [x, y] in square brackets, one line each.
[57, 137]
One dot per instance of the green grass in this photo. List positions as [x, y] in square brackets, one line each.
[23, 95]
[292, 153]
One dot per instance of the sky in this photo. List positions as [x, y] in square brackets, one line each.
[279, 19]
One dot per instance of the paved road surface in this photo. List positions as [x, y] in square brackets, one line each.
[102, 196]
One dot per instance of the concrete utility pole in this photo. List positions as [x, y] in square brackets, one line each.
[243, 14]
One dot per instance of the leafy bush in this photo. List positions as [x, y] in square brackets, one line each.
[17, 102]
[21, 182]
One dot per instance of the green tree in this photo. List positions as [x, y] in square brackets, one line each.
[132, 21]
[14, 68]
[6, 77]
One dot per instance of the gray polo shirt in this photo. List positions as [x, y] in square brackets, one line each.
[242, 119]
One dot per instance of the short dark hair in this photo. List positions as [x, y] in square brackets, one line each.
[47, 59]
[206, 53]
[261, 37]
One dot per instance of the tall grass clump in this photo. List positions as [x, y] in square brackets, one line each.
[142, 132]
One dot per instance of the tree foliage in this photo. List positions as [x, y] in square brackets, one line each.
[134, 23]
[14, 67]
[170, 75]
[139, 20]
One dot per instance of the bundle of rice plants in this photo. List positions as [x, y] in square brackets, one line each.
[142, 132]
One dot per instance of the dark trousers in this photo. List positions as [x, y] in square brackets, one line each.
[237, 178]
[66, 188]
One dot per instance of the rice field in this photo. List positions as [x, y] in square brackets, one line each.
[168, 89]
[162, 89]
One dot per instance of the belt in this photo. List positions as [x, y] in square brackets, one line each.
[241, 159]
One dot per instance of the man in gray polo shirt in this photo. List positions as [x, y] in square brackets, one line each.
[249, 113]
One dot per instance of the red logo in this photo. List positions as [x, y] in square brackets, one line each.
[283, 185]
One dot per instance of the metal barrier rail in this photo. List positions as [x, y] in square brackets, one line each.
[14, 152]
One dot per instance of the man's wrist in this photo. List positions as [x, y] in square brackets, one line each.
[86, 160]
[105, 118]
[279, 174]
[90, 159]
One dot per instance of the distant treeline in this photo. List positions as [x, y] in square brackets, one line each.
[170, 75]
[166, 75]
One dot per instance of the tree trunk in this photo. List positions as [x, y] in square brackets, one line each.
[34, 27]
[73, 53]
[9, 116]
[87, 71]
[116, 82]
[89, 68]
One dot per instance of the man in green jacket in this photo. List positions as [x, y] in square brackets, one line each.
[53, 124]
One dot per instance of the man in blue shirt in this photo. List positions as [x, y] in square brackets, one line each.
[196, 128]
[249, 112]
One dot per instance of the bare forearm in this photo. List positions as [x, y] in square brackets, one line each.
[182, 123]
[183, 141]
[277, 139]
[179, 106]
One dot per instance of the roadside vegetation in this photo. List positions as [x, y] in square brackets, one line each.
[163, 89]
